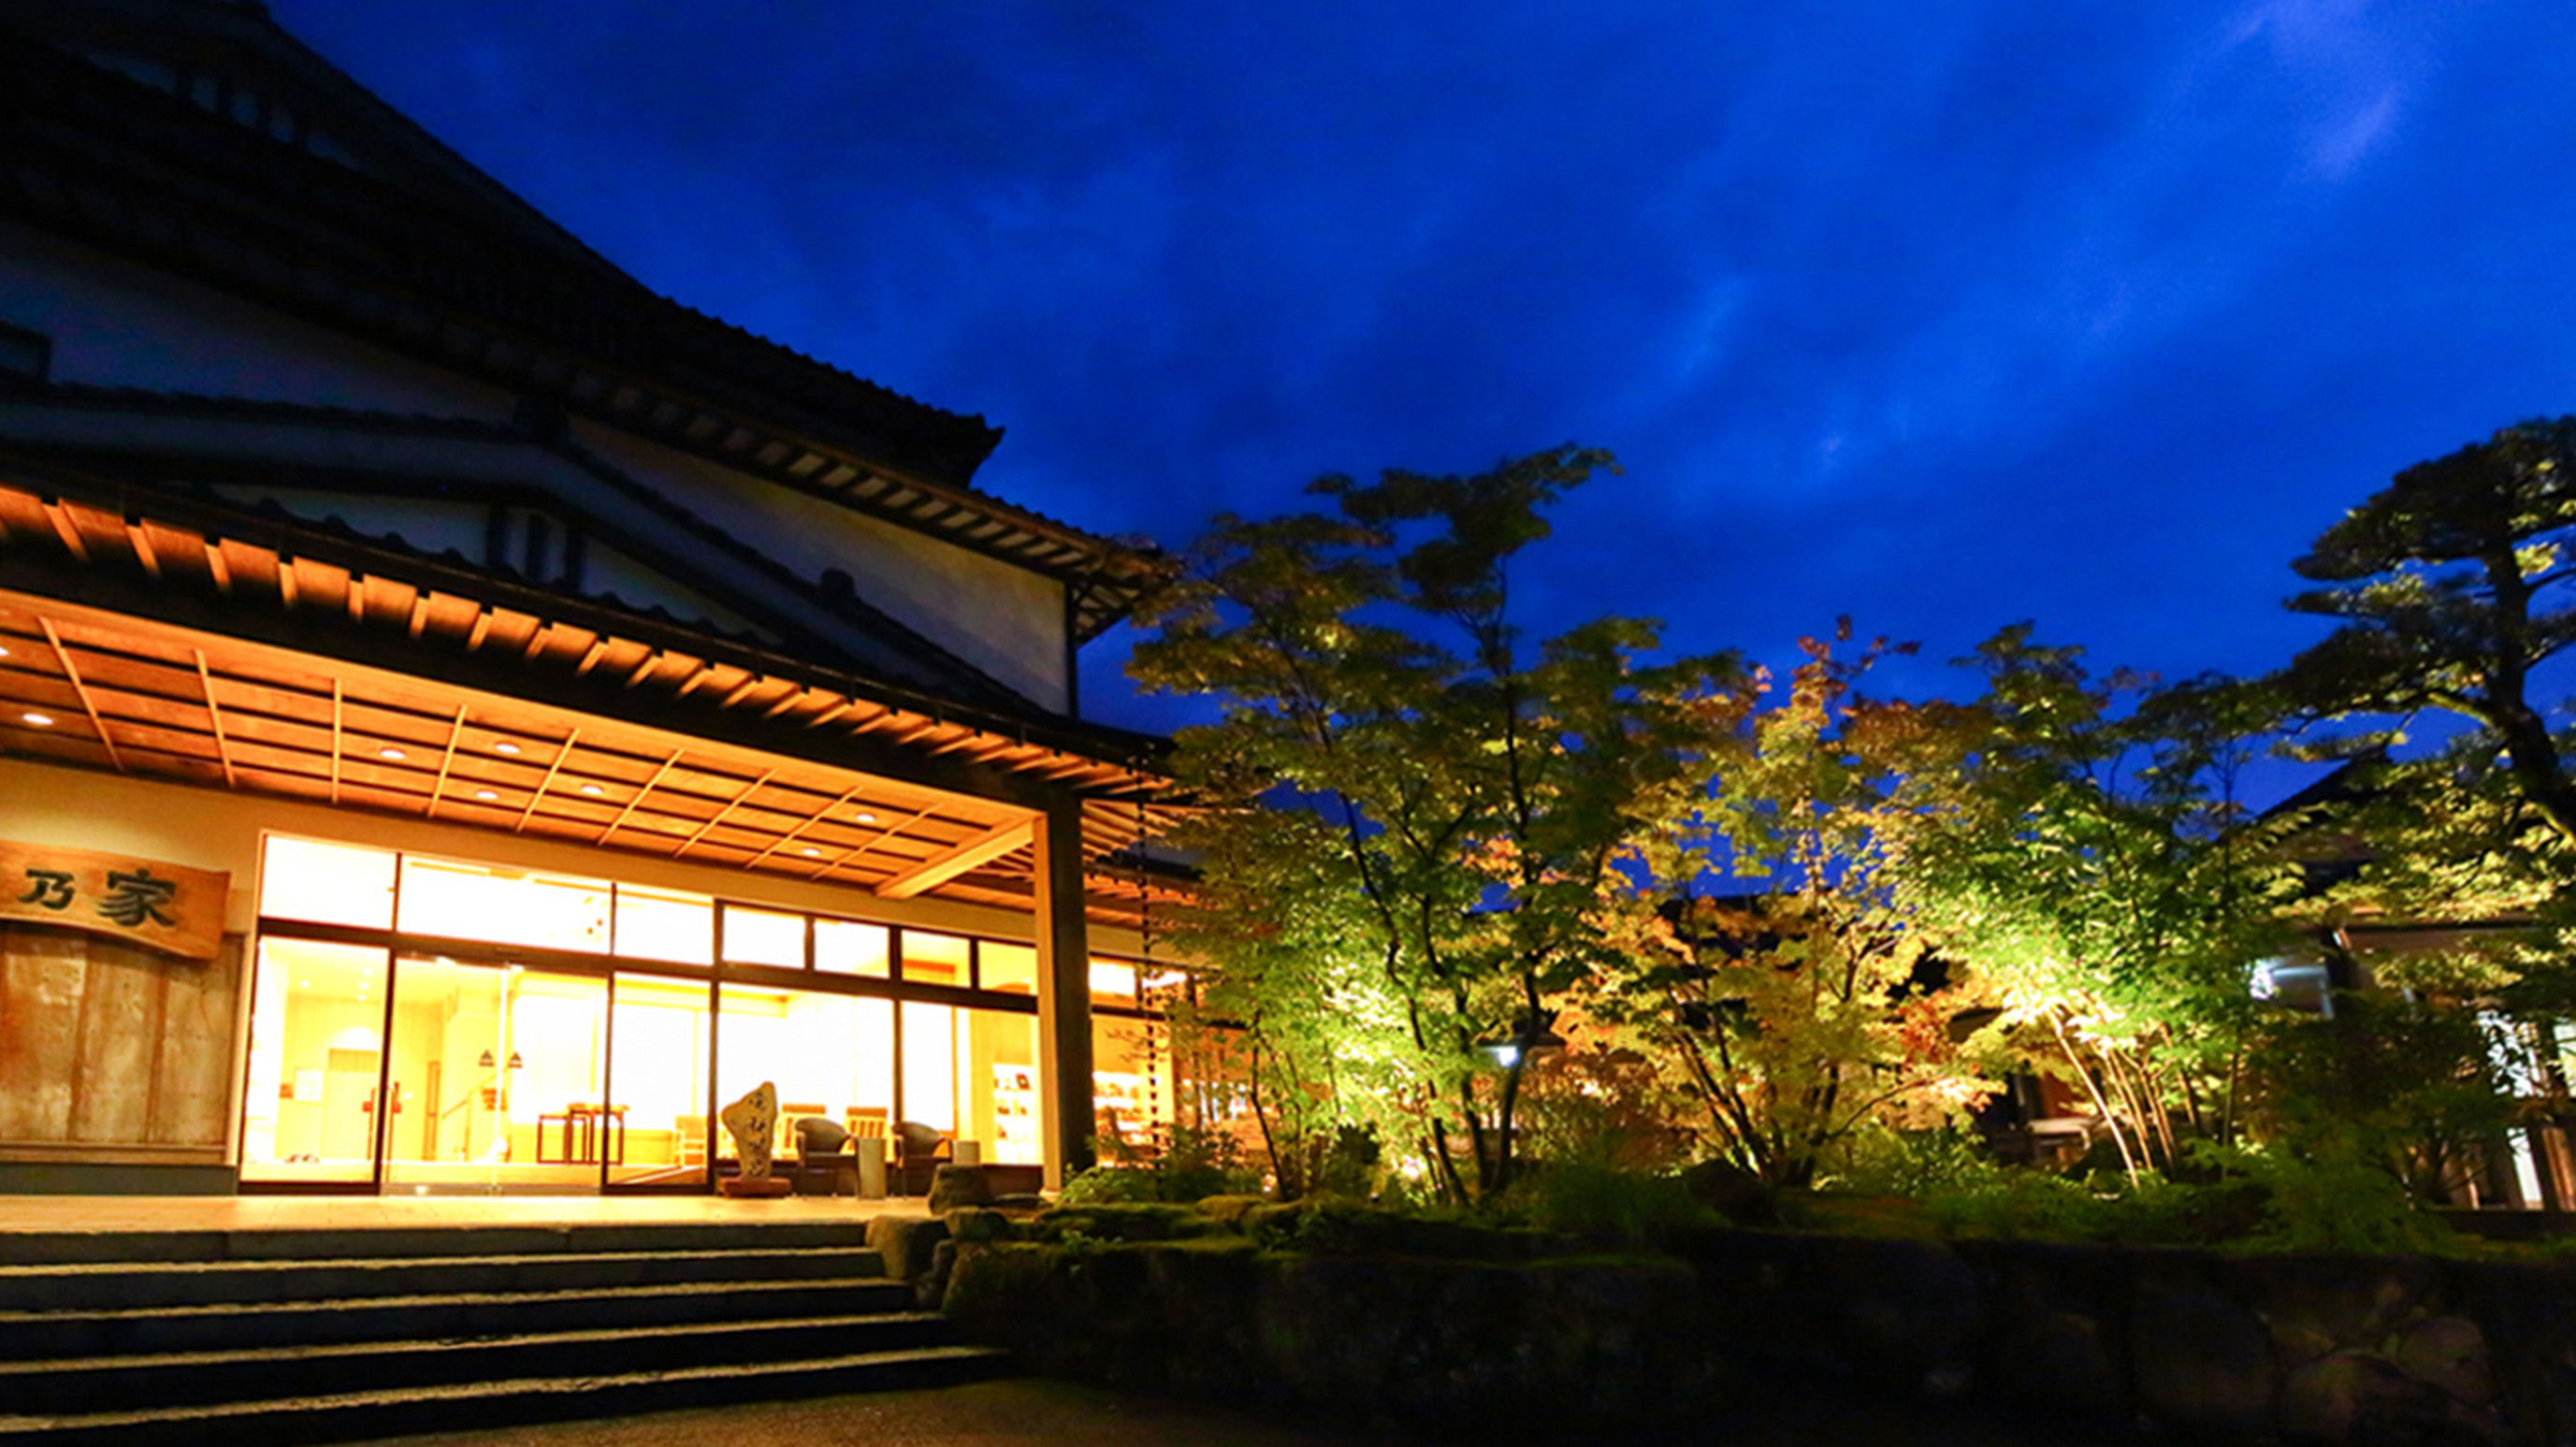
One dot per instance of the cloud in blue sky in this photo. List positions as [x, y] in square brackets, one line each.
[1940, 316]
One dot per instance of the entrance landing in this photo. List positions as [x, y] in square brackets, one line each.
[56, 1214]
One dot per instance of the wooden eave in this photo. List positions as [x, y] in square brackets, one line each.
[115, 164]
[93, 689]
[155, 651]
[339, 595]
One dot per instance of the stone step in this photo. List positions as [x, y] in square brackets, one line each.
[471, 1406]
[65, 1385]
[71, 1247]
[29, 1334]
[129, 1285]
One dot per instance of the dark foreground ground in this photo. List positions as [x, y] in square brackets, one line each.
[998, 1414]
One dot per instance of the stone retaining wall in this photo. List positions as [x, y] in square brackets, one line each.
[2337, 1350]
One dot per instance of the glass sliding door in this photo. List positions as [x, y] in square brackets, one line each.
[657, 1074]
[497, 1075]
[316, 1054]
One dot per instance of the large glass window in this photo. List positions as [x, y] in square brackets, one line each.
[763, 937]
[316, 1051]
[504, 906]
[1131, 1082]
[829, 1055]
[535, 1061]
[936, 959]
[846, 947]
[1012, 968]
[497, 1073]
[655, 924]
[1000, 1086]
[327, 883]
[659, 1032]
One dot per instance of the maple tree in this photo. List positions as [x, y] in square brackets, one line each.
[1459, 799]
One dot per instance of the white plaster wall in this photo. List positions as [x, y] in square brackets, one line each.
[1004, 619]
[115, 324]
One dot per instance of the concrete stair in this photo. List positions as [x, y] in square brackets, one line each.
[343, 1335]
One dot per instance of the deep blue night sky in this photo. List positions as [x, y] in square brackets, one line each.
[1941, 316]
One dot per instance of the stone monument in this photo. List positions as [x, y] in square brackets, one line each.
[753, 1123]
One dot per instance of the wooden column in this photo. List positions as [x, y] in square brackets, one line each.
[1064, 993]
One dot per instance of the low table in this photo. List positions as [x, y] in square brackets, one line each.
[586, 1130]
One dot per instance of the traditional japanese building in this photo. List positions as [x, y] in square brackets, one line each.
[465, 717]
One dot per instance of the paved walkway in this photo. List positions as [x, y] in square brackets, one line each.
[1011, 1413]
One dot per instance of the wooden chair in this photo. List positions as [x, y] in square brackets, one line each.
[690, 1147]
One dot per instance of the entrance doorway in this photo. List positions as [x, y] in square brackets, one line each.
[496, 1081]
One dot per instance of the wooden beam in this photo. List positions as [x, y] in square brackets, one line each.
[624, 814]
[884, 833]
[215, 716]
[848, 797]
[446, 763]
[143, 552]
[730, 805]
[955, 860]
[335, 740]
[553, 767]
[80, 690]
[66, 529]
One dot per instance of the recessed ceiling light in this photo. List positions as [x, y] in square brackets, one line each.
[485, 794]
[394, 755]
[505, 747]
[811, 852]
[593, 790]
[4, 652]
[864, 817]
[40, 720]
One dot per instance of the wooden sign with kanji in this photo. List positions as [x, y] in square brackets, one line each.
[141, 901]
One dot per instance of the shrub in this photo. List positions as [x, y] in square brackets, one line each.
[1610, 1205]
[1199, 1164]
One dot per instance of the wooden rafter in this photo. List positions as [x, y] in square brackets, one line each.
[719, 816]
[67, 530]
[143, 552]
[80, 690]
[336, 705]
[955, 860]
[850, 855]
[554, 766]
[848, 797]
[446, 763]
[215, 716]
[624, 814]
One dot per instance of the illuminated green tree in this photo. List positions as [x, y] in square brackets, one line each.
[1457, 802]
[2084, 853]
